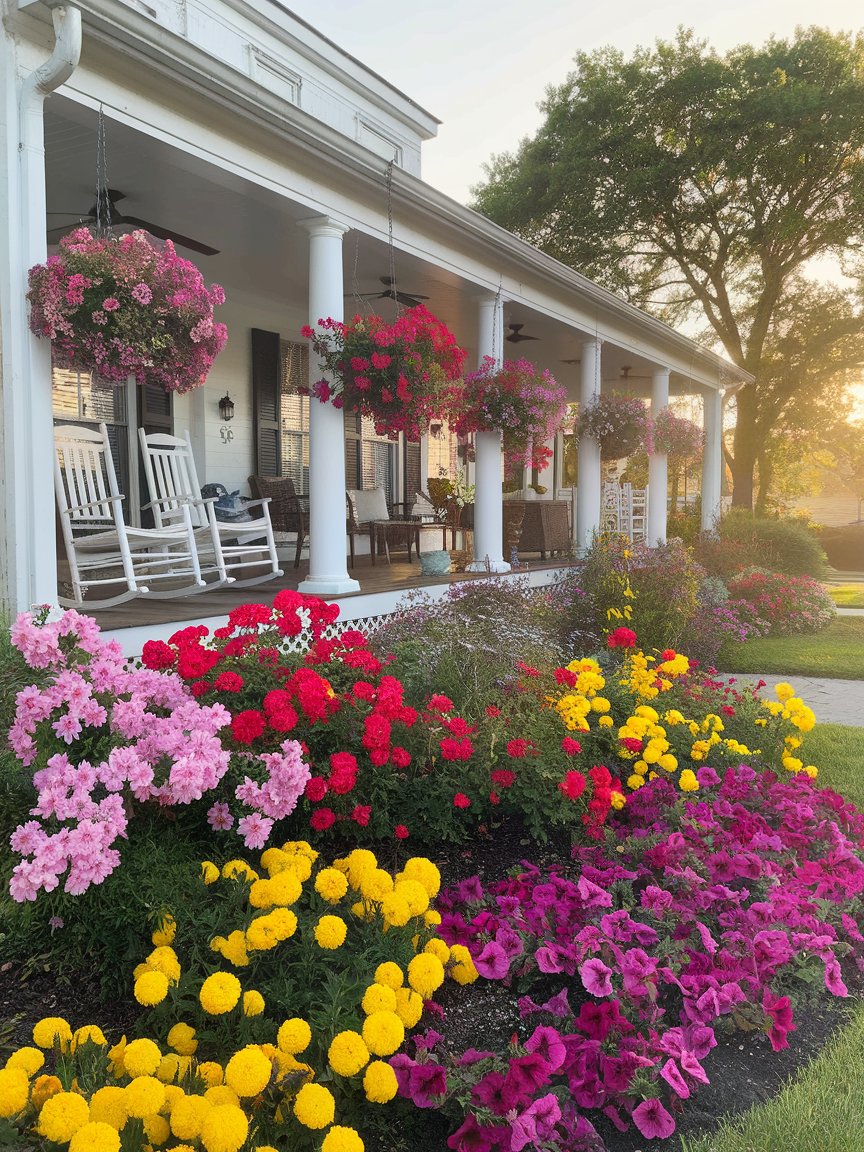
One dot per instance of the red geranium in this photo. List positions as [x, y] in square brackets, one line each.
[622, 638]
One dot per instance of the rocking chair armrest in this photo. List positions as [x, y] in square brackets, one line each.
[249, 502]
[118, 499]
[161, 501]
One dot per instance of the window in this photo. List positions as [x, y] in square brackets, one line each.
[80, 398]
[295, 413]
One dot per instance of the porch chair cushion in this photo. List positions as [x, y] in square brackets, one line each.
[369, 505]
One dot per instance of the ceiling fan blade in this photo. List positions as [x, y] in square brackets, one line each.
[517, 335]
[167, 234]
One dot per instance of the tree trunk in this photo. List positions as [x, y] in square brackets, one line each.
[766, 475]
[746, 448]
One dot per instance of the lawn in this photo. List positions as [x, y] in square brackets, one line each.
[837, 652]
[838, 753]
[847, 595]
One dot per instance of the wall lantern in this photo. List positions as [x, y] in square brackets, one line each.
[226, 408]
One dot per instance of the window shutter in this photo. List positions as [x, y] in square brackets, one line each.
[266, 402]
[413, 479]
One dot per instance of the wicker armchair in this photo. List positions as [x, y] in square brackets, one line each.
[286, 510]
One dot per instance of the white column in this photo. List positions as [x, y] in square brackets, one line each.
[712, 459]
[658, 471]
[488, 513]
[588, 493]
[328, 568]
[28, 558]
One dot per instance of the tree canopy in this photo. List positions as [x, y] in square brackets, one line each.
[706, 186]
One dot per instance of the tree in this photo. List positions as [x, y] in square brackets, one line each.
[702, 186]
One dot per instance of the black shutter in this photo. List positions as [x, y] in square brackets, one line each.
[411, 471]
[266, 402]
[155, 414]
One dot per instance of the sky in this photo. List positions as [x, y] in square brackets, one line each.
[482, 66]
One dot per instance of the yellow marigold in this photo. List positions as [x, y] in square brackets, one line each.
[88, 1034]
[341, 1139]
[262, 934]
[62, 1115]
[687, 781]
[347, 1053]
[221, 1094]
[30, 1059]
[248, 1071]
[284, 922]
[437, 947]
[253, 1003]
[219, 993]
[605, 721]
[617, 799]
[811, 770]
[415, 894]
[375, 884]
[232, 947]
[225, 1129]
[172, 1067]
[285, 888]
[302, 849]
[463, 970]
[600, 704]
[331, 885]
[409, 1006]
[360, 861]
[379, 1082]
[173, 1093]
[259, 894]
[156, 1129]
[96, 1136]
[784, 691]
[181, 1037]
[164, 959]
[151, 988]
[383, 1033]
[668, 762]
[264, 1148]
[108, 1106]
[395, 910]
[330, 932]
[432, 918]
[143, 1096]
[209, 872]
[314, 1106]
[378, 998]
[422, 870]
[210, 1072]
[14, 1091]
[187, 1116]
[49, 1029]
[635, 781]
[425, 974]
[294, 1036]
[44, 1087]
[165, 932]
[141, 1057]
[390, 974]
[239, 870]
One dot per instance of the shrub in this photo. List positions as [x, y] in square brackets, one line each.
[844, 547]
[717, 620]
[788, 604]
[781, 545]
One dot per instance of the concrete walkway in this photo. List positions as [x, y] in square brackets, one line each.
[833, 701]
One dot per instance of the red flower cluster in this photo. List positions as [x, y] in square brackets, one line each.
[622, 638]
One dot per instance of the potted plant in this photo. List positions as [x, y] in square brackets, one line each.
[675, 435]
[522, 401]
[619, 425]
[398, 374]
[121, 306]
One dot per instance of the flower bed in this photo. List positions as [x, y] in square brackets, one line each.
[120, 306]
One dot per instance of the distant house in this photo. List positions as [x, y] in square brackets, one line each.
[241, 127]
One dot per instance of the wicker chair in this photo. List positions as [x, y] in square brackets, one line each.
[286, 510]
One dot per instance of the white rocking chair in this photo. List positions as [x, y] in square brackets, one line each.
[102, 550]
[230, 549]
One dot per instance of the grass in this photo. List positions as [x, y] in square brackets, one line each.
[837, 652]
[838, 753]
[821, 1109]
[847, 595]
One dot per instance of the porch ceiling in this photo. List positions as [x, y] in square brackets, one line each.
[265, 256]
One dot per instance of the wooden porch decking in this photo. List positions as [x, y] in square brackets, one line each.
[376, 582]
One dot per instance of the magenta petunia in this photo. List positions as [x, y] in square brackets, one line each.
[596, 978]
[492, 962]
[653, 1121]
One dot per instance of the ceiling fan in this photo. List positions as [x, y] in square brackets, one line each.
[104, 212]
[391, 292]
[517, 335]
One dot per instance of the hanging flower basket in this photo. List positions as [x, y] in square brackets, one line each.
[121, 306]
[676, 436]
[526, 404]
[398, 374]
[619, 426]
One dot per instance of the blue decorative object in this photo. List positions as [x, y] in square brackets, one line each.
[435, 563]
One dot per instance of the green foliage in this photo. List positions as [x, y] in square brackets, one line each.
[844, 547]
[665, 582]
[848, 596]
[779, 545]
[837, 652]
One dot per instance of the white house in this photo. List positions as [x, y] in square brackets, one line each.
[242, 127]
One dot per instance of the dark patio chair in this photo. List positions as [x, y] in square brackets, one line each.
[286, 509]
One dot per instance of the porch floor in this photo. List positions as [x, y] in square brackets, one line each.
[380, 578]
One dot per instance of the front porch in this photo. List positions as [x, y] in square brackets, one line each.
[381, 587]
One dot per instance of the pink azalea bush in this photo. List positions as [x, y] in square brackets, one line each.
[121, 306]
[721, 911]
[397, 373]
[787, 604]
[103, 736]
